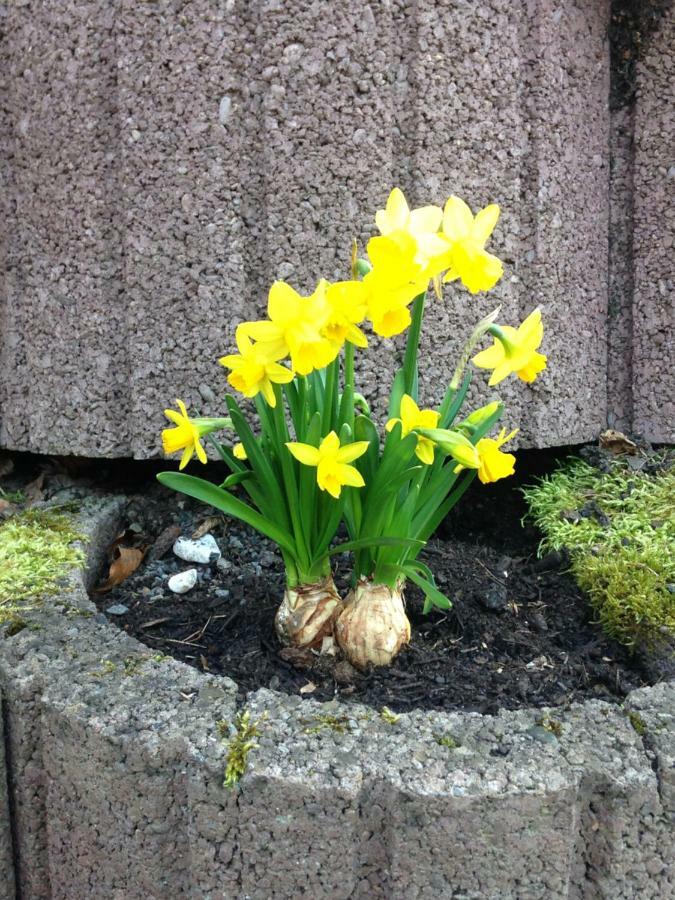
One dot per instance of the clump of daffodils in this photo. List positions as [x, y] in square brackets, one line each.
[317, 458]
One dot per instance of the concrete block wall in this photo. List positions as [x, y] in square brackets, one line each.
[164, 162]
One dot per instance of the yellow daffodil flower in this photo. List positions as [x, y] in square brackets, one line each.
[493, 463]
[239, 452]
[411, 417]
[185, 436]
[252, 370]
[396, 278]
[421, 224]
[466, 236]
[397, 216]
[294, 328]
[514, 350]
[347, 308]
[331, 461]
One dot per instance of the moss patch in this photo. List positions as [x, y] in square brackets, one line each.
[619, 529]
[36, 551]
[244, 739]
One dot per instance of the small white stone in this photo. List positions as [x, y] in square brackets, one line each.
[182, 582]
[224, 110]
[203, 550]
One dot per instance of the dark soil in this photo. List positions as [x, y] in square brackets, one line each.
[519, 632]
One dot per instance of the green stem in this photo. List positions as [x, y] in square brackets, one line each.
[412, 346]
[349, 385]
[328, 411]
[290, 481]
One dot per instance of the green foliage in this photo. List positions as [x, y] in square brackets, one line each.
[36, 551]
[446, 740]
[638, 723]
[243, 740]
[619, 529]
[388, 716]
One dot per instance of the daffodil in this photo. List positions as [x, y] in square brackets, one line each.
[331, 461]
[239, 452]
[252, 370]
[493, 463]
[347, 308]
[294, 328]
[514, 350]
[466, 236]
[411, 417]
[396, 278]
[187, 434]
[421, 224]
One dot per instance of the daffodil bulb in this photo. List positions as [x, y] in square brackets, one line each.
[307, 614]
[373, 627]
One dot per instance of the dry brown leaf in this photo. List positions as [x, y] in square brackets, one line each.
[205, 527]
[125, 562]
[164, 542]
[4, 504]
[308, 688]
[33, 491]
[617, 442]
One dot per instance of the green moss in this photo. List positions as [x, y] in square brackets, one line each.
[637, 722]
[619, 529]
[35, 553]
[446, 740]
[239, 745]
[552, 725]
[388, 716]
[12, 496]
[107, 668]
[338, 724]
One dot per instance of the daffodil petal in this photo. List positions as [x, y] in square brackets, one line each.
[349, 476]
[457, 219]
[484, 223]
[330, 445]
[350, 452]
[304, 453]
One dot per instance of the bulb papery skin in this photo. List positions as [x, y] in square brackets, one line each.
[373, 627]
[307, 614]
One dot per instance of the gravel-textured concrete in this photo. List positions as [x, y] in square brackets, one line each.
[7, 887]
[164, 162]
[116, 764]
[654, 236]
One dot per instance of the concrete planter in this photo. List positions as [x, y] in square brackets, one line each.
[115, 785]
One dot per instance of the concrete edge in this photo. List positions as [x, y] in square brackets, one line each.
[115, 770]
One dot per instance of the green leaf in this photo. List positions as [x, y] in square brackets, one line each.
[365, 543]
[431, 592]
[453, 400]
[397, 391]
[237, 478]
[220, 499]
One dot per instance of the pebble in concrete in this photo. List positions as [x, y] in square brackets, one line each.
[203, 550]
[182, 582]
